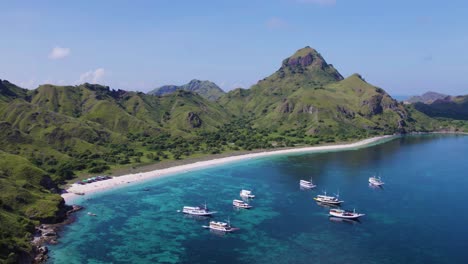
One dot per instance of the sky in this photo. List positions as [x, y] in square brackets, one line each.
[404, 47]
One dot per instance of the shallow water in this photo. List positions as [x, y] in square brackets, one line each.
[418, 217]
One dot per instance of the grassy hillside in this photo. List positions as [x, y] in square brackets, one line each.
[308, 96]
[53, 133]
[25, 201]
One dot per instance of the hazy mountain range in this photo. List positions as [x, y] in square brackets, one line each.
[206, 89]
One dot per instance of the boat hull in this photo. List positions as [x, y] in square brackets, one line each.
[307, 186]
[243, 206]
[339, 215]
[200, 214]
[328, 201]
[376, 182]
[197, 211]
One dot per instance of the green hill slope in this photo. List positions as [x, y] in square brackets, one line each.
[25, 201]
[308, 95]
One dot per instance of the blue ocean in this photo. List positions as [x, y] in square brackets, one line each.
[419, 216]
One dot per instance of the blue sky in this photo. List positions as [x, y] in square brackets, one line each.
[405, 47]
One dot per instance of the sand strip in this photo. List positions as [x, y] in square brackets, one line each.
[138, 177]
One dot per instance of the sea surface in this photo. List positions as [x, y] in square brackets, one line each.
[420, 216]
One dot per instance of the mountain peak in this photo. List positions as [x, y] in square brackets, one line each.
[304, 52]
[305, 57]
[309, 62]
[357, 75]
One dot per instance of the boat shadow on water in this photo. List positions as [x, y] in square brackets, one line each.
[198, 217]
[328, 206]
[376, 187]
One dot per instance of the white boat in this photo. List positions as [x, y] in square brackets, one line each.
[307, 184]
[92, 214]
[344, 220]
[247, 194]
[376, 181]
[221, 226]
[241, 204]
[345, 214]
[196, 210]
[328, 199]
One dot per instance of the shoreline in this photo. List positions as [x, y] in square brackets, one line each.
[124, 180]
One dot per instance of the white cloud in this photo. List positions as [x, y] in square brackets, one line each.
[276, 23]
[59, 53]
[92, 76]
[318, 2]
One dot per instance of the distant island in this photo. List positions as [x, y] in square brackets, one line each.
[55, 135]
[427, 98]
[441, 105]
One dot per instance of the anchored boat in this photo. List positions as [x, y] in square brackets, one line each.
[328, 199]
[221, 226]
[376, 181]
[201, 211]
[307, 184]
[345, 214]
[241, 204]
[247, 194]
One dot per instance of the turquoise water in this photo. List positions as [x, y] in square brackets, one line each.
[419, 216]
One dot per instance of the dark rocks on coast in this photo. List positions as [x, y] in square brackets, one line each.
[48, 234]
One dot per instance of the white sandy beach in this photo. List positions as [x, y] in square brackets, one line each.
[138, 177]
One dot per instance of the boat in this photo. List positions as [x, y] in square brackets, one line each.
[345, 214]
[92, 214]
[328, 199]
[307, 184]
[247, 194]
[344, 220]
[221, 226]
[241, 204]
[376, 181]
[196, 210]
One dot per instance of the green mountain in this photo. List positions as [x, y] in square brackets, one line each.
[49, 134]
[206, 89]
[309, 95]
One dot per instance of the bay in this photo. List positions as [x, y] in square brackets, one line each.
[419, 216]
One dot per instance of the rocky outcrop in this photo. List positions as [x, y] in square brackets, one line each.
[48, 234]
[194, 120]
[345, 112]
[307, 109]
[286, 107]
[373, 105]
